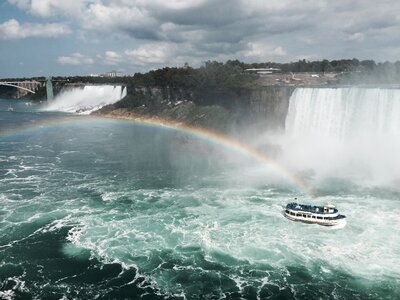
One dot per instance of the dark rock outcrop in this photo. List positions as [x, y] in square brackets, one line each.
[225, 110]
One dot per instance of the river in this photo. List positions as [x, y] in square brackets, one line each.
[100, 208]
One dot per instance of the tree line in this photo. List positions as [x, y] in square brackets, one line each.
[231, 74]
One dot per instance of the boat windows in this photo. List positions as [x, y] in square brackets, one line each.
[319, 218]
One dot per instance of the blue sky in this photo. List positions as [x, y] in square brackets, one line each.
[79, 37]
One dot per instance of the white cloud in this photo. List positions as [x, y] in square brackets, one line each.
[263, 51]
[174, 4]
[12, 29]
[112, 58]
[47, 8]
[22, 4]
[251, 30]
[357, 37]
[152, 53]
[118, 19]
[75, 59]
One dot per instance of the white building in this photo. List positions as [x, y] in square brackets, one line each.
[113, 74]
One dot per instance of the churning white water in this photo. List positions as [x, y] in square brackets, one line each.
[345, 132]
[87, 99]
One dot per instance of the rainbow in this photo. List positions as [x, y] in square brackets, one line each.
[198, 132]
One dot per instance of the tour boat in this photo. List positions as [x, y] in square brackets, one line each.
[326, 215]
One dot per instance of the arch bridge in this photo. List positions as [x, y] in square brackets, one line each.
[27, 86]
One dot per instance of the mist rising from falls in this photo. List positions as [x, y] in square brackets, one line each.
[345, 132]
[87, 99]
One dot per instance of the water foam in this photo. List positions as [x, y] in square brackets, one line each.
[233, 234]
[87, 99]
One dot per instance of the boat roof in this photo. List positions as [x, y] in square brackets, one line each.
[310, 208]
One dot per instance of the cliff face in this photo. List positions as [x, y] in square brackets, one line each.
[259, 108]
[172, 95]
[268, 106]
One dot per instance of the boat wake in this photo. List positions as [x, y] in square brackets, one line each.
[339, 226]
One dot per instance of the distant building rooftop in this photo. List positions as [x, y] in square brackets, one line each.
[113, 74]
[263, 70]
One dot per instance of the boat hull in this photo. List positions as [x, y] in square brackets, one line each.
[328, 223]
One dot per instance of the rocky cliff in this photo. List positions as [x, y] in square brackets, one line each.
[226, 110]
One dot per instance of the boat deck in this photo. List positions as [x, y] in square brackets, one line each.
[309, 208]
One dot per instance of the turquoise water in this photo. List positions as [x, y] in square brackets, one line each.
[104, 209]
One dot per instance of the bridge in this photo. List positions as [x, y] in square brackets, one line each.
[31, 86]
[28, 86]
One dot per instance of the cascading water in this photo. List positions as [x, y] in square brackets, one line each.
[345, 132]
[87, 99]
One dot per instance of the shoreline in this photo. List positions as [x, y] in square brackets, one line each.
[124, 114]
[185, 113]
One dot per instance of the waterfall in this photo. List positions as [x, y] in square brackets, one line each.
[87, 99]
[343, 113]
[345, 131]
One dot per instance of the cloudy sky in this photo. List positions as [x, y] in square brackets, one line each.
[68, 37]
